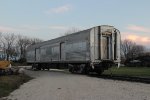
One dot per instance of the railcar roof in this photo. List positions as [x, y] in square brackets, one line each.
[61, 37]
[58, 38]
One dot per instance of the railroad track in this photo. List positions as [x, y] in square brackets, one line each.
[123, 78]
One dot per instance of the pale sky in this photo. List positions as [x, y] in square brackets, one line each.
[47, 19]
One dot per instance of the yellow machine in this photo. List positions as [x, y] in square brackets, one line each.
[4, 65]
[5, 68]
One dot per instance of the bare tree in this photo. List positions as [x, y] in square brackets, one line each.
[126, 47]
[0, 40]
[35, 41]
[137, 50]
[130, 49]
[71, 30]
[23, 42]
[2, 45]
[8, 41]
[0, 35]
[14, 46]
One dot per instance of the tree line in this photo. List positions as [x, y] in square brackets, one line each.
[133, 54]
[14, 46]
[131, 50]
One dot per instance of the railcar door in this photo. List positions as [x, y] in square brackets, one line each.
[37, 54]
[106, 44]
[62, 51]
[105, 47]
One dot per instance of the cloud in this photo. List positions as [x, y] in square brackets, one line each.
[138, 34]
[21, 28]
[138, 28]
[61, 9]
[27, 30]
[58, 27]
[7, 29]
[40, 31]
[36, 28]
[139, 39]
[32, 27]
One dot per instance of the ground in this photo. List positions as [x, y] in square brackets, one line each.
[61, 85]
[129, 71]
[9, 83]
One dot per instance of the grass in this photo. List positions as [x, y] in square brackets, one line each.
[129, 71]
[11, 82]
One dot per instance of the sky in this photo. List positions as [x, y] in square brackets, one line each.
[48, 19]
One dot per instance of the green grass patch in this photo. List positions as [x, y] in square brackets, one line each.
[129, 71]
[11, 82]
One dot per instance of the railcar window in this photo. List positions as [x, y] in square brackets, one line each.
[83, 45]
[30, 55]
[55, 50]
[43, 51]
[80, 46]
[69, 47]
[49, 50]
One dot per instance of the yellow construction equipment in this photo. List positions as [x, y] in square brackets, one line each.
[5, 68]
[4, 65]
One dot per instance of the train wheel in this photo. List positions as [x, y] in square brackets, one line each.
[33, 67]
[87, 69]
[71, 68]
[83, 69]
[99, 72]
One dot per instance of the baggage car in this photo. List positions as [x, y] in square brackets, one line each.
[95, 49]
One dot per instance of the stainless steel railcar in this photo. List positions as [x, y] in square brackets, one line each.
[94, 49]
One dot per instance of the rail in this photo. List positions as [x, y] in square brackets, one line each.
[124, 78]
